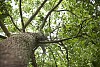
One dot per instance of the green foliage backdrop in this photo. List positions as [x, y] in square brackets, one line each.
[78, 20]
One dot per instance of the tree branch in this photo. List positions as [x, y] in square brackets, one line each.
[66, 49]
[81, 24]
[34, 60]
[3, 37]
[4, 28]
[13, 22]
[68, 11]
[31, 18]
[56, 41]
[43, 23]
[33, 57]
[20, 10]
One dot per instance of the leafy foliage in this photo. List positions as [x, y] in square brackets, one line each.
[71, 18]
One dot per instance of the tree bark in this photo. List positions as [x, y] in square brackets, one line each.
[15, 51]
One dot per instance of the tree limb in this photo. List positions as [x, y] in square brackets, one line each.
[20, 10]
[4, 28]
[33, 57]
[34, 60]
[43, 23]
[81, 24]
[66, 49]
[13, 22]
[31, 18]
[68, 11]
[56, 41]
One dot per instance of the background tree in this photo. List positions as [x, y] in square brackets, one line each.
[72, 28]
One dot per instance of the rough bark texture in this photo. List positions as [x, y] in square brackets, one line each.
[16, 50]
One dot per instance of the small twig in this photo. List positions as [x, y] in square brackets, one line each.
[31, 18]
[81, 24]
[50, 27]
[61, 49]
[43, 23]
[88, 36]
[68, 11]
[20, 10]
[55, 29]
[3, 37]
[4, 29]
[13, 22]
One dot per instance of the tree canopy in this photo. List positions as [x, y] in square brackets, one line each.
[72, 28]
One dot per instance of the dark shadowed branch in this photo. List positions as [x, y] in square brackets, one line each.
[34, 61]
[14, 22]
[66, 49]
[31, 18]
[20, 10]
[33, 57]
[4, 28]
[43, 23]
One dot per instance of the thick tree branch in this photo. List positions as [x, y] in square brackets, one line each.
[13, 22]
[31, 18]
[3, 37]
[20, 10]
[56, 41]
[43, 23]
[4, 28]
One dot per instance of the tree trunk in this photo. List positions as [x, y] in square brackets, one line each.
[16, 50]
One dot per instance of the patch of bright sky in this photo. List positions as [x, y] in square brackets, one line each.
[27, 15]
[93, 1]
[2, 33]
[13, 4]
